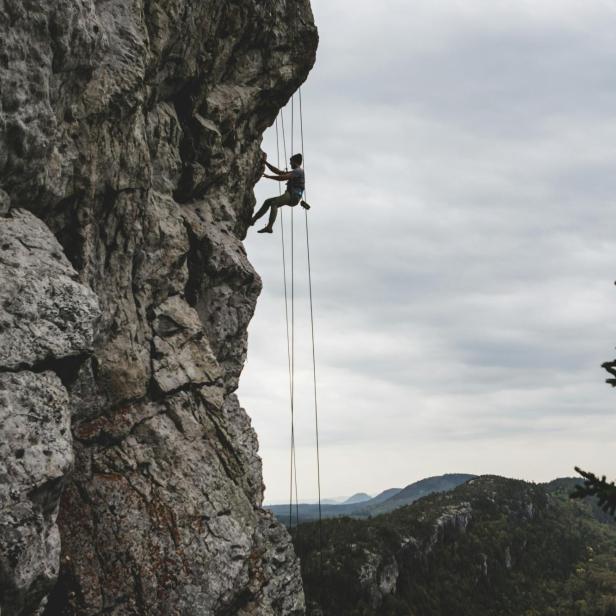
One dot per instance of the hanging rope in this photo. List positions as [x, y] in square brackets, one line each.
[314, 360]
[291, 336]
[292, 124]
[286, 314]
[293, 365]
[312, 335]
[284, 139]
[294, 467]
[290, 330]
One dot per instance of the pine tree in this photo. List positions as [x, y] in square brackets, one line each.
[593, 486]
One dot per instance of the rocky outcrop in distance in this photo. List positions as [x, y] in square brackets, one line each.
[129, 146]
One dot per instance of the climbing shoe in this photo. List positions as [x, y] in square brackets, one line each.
[304, 205]
[265, 230]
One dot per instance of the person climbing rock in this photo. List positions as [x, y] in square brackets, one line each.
[296, 184]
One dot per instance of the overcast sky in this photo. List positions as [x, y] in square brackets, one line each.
[460, 161]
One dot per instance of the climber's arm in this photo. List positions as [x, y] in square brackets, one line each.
[280, 178]
[274, 169]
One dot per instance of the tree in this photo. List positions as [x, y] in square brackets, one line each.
[600, 488]
[593, 486]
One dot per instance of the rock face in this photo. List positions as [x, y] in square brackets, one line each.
[130, 131]
[47, 323]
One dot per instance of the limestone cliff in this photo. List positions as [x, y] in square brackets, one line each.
[129, 147]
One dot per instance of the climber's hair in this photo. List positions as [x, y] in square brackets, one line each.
[297, 159]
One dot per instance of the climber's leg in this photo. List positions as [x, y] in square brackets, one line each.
[266, 205]
[274, 204]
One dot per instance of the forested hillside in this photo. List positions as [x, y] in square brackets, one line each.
[492, 546]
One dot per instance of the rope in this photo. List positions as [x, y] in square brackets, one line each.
[293, 362]
[284, 139]
[290, 331]
[314, 360]
[279, 187]
[286, 314]
[292, 355]
[293, 326]
[291, 337]
[293, 343]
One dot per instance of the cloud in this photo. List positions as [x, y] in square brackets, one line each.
[460, 166]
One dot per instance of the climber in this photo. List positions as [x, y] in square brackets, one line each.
[296, 185]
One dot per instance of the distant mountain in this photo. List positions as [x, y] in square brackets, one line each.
[415, 491]
[329, 501]
[387, 500]
[360, 497]
[491, 546]
[383, 496]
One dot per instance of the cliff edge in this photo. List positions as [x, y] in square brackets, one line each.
[129, 147]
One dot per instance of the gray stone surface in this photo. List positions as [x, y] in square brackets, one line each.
[132, 129]
[35, 455]
[182, 354]
[47, 321]
[45, 313]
